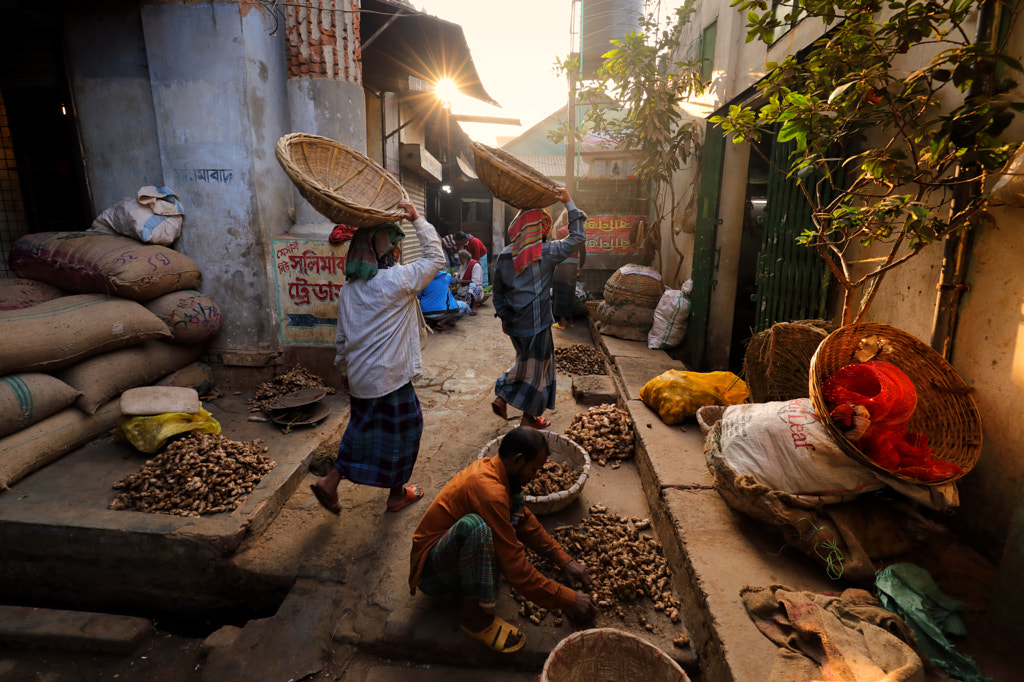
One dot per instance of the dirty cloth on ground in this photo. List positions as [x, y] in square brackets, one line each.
[908, 590]
[834, 637]
[382, 439]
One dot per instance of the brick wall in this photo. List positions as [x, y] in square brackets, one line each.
[323, 40]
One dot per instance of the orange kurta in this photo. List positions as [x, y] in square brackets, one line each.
[483, 488]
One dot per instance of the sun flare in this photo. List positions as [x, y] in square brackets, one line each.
[446, 89]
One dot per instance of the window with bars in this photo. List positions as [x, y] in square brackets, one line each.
[13, 221]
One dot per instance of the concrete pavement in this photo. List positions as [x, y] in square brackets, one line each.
[326, 589]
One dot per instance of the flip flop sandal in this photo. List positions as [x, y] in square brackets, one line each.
[412, 493]
[500, 409]
[496, 635]
[325, 500]
[540, 422]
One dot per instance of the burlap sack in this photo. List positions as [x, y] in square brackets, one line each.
[33, 448]
[68, 329]
[107, 376]
[625, 321]
[25, 293]
[191, 316]
[31, 397]
[88, 262]
[197, 375]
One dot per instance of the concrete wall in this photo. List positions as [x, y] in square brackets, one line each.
[199, 58]
[109, 77]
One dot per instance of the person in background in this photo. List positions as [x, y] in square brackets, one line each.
[451, 250]
[563, 283]
[439, 305]
[476, 249]
[476, 531]
[522, 299]
[470, 281]
[378, 354]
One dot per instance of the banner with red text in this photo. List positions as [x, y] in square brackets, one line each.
[610, 234]
[309, 274]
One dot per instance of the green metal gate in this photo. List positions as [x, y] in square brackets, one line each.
[792, 279]
[704, 250]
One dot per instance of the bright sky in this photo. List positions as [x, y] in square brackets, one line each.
[514, 46]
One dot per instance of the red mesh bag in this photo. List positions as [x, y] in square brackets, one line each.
[889, 396]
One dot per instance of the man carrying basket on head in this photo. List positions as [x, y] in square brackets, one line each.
[378, 352]
[522, 299]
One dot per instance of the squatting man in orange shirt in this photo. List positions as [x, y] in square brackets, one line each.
[474, 533]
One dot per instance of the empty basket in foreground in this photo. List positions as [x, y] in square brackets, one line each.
[339, 182]
[609, 655]
[563, 450]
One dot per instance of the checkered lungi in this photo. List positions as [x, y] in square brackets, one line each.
[463, 562]
[482, 260]
[530, 383]
[382, 439]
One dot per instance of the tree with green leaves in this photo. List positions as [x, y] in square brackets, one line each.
[896, 113]
[633, 103]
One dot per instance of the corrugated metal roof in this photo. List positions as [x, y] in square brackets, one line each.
[551, 165]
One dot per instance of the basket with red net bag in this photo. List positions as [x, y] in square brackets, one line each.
[894, 404]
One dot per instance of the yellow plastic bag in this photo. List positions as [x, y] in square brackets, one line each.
[148, 434]
[676, 395]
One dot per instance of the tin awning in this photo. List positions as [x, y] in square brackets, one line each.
[399, 40]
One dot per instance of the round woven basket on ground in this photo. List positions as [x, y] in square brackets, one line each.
[339, 182]
[609, 655]
[778, 359]
[511, 180]
[946, 411]
[563, 450]
[633, 288]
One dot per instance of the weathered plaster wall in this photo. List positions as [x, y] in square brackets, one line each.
[114, 103]
[199, 58]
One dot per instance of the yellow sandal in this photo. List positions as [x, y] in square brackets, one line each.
[496, 636]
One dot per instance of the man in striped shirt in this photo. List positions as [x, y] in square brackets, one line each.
[378, 352]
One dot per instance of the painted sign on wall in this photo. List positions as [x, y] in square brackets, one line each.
[309, 274]
[610, 234]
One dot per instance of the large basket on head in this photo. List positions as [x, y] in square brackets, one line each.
[512, 180]
[563, 450]
[946, 411]
[778, 360]
[609, 655]
[339, 182]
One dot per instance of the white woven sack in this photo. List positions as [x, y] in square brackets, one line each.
[670, 318]
[784, 446]
[153, 216]
[1009, 189]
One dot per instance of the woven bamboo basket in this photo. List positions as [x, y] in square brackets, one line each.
[633, 288]
[609, 655]
[778, 360]
[340, 183]
[946, 411]
[563, 450]
[511, 180]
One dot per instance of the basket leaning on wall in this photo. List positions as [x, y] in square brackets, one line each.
[563, 450]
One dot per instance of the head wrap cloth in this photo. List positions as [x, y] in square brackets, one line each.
[527, 232]
[371, 249]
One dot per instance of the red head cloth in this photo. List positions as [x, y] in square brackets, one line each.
[528, 232]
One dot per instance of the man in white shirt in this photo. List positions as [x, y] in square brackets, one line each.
[378, 351]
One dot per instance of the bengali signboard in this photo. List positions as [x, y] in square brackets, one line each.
[309, 274]
[610, 234]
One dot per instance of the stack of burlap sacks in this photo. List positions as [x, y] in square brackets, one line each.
[91, 316]
[631, 296]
